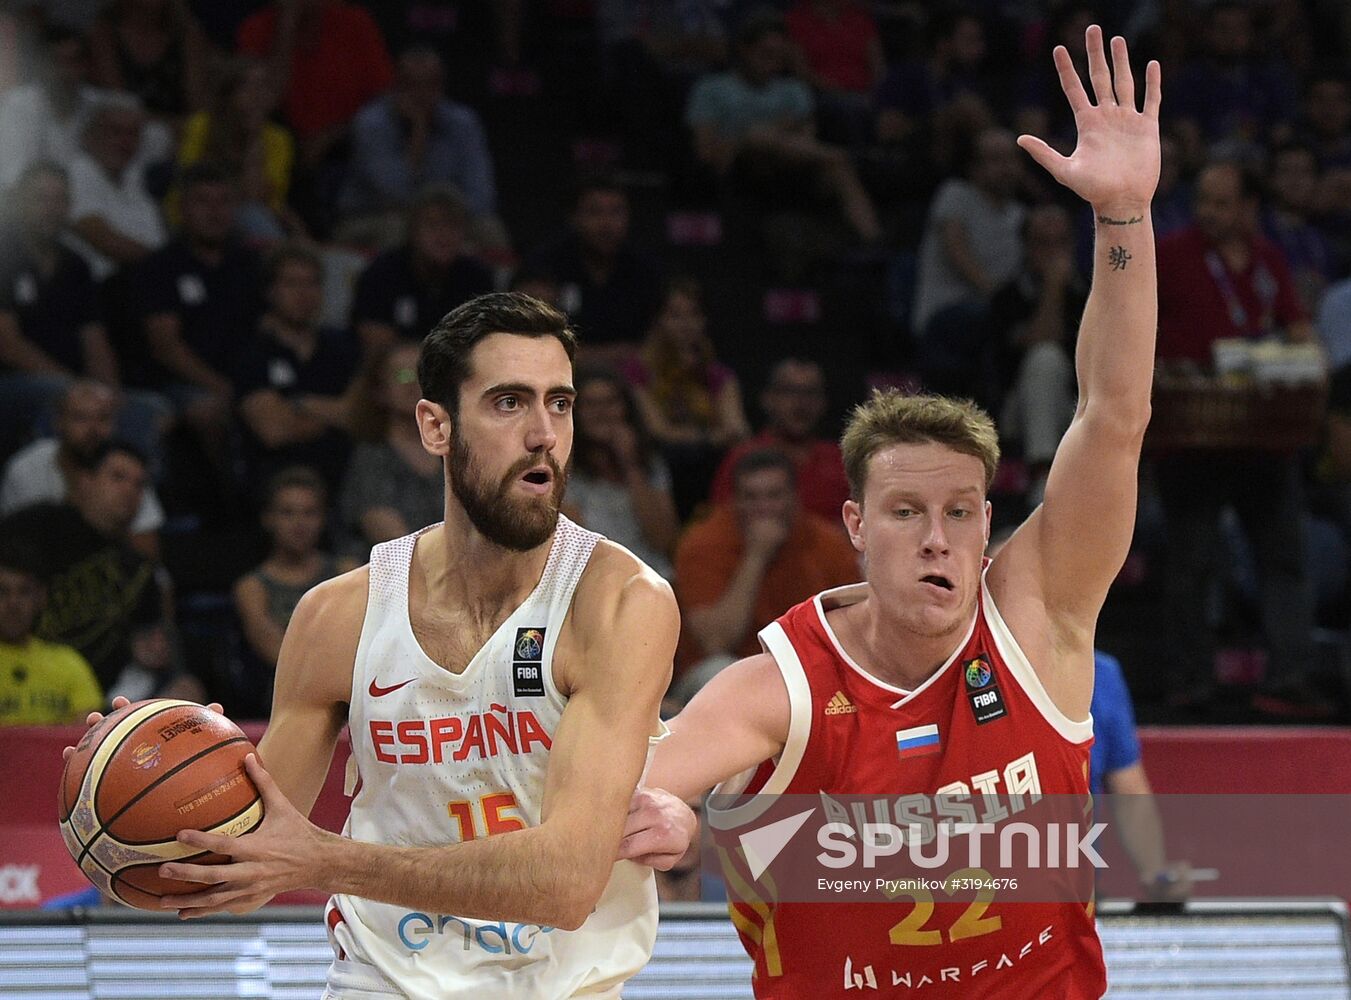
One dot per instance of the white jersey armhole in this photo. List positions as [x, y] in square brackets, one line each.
[776, 642]
[1026, 675]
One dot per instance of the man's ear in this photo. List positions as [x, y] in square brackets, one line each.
[434, 426]
[852, 512]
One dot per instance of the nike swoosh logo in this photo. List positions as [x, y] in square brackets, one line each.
[378, 692]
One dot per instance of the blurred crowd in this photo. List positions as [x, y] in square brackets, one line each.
[230, 222]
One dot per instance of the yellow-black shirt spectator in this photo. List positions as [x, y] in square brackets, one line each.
[44, 683]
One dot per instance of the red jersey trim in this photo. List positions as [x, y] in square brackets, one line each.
[777, 644]
[1026, 675]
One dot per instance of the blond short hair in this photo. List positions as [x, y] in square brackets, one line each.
[891, 417]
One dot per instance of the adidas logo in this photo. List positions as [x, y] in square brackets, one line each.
[840, 705]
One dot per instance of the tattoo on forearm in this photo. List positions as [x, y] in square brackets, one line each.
[1106, 221]
[1118, 257]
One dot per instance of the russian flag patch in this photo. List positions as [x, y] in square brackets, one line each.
[918, 742]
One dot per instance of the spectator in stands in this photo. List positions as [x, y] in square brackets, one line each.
[945, 94]
[538, 283]
[1292, 182]
[414, 137]
[44, 121]
[265, 598]
[50, 327]
[293, 379]
[393, 485]
[41, 683]
[99, 589]
[1326, 119]
[651, 53]
[49, 321]
[1035, 320]
[842, 58]
[405, 291]
[327, 58]
[608, 287]
[689, 401]
[619, 484]
[236, 132]
[1116, 767]
[117, 221]
[758, 122]
[1222, 279]
[155, 670]
[198, 305]
[48, 469]
[1039, 109]
[1230, 99]
[737, 570]
[794, 401]
[154, 49]
[1334, 325]
[972, 245]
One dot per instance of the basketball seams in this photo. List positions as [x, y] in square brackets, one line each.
[214, 828]
[104, 825]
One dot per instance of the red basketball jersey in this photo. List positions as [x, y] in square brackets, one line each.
[852, 734]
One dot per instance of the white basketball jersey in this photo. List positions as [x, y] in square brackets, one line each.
[444, 758]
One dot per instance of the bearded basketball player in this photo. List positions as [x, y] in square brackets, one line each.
[501, 674]
[849, 677]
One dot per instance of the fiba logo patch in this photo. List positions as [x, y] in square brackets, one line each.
[527, 667]
[530, 644]
[987, 704]
[978, 672]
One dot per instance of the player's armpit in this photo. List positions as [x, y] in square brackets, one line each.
[313, 685]
[738, 720]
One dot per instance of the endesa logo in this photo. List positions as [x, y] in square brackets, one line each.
[481, 735]
[416, 931]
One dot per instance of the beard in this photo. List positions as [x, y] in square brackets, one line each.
[513, 522]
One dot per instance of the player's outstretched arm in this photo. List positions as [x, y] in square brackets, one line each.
[738, 720]
[1072, 548]
[625, 625]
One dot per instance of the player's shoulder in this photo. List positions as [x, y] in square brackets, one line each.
[616, 585]
[334, 609]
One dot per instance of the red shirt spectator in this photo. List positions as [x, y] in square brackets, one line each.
[740, 567]
[840, 42]
[822, 487]
[1195, 289]
[1220, 278]
[794, 401]
[338, 61]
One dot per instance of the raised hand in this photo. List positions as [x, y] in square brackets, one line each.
[1115, 164]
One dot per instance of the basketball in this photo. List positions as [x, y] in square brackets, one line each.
[138, 777]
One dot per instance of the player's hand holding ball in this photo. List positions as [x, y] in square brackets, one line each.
[155, 799]
[138, 777]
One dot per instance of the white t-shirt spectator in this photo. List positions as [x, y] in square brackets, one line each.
[124, 205]
[30, 130]
[33, 476]
[994, 234]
